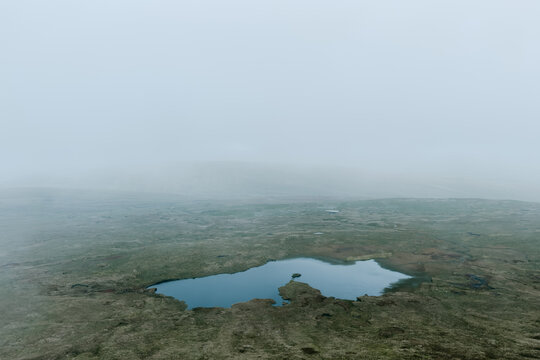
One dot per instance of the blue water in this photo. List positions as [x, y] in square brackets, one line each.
[340, 281]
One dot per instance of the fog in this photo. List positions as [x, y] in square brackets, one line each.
[387, 98]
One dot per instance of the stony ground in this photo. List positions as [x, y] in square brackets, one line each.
[74, 268]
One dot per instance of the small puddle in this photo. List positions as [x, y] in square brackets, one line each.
[262, 282]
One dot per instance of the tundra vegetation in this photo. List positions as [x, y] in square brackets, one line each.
[75, 267]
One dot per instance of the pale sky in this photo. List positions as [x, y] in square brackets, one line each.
[414, 88]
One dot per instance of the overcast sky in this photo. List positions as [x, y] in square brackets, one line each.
[417, 87]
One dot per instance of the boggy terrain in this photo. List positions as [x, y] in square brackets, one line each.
[75, 267]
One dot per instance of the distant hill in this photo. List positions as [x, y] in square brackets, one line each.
[247, 180]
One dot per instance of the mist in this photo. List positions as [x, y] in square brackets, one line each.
[291, 98]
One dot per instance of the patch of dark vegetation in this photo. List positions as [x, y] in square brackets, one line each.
[478, 282]
[309, 350]
[390, 331]
[385, 302]
[79, 285]
[106, 290]
[530, 354]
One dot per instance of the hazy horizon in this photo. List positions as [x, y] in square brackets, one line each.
[370, 99]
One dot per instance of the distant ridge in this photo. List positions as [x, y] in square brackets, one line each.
[233, 180]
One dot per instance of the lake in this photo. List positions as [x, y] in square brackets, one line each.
[262, 282]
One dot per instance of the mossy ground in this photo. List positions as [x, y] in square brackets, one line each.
[74, 268]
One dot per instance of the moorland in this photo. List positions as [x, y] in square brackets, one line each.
[75, 267]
